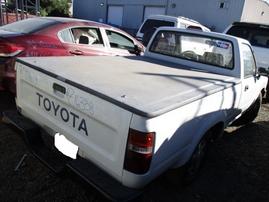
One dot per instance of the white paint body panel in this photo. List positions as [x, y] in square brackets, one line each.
[106, 96]
[105, 138]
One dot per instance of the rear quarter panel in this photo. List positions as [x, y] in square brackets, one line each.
[179, 131]
[41, 46]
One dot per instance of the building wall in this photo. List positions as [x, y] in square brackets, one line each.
[138, 2]
[134, 12]
[132, 15]
[207, 12]
[256, 11]
[89, 9]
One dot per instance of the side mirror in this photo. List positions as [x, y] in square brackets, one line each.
[263, 71]
[138, 49]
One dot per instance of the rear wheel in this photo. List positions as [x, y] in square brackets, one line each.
[186, 174]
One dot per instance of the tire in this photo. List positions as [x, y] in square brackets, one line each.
[186, 174]
[251, 113]
[147, 35]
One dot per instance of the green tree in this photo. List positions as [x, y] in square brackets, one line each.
[59, 8]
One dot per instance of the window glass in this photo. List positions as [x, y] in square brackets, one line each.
[155, 23]
[90, 36]
[224, 4]
[28, 26]
[255, 35]
[120, 41]
[249, 61]
[194, 47]
[66, 36]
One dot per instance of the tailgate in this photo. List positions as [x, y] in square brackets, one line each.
[98, 127]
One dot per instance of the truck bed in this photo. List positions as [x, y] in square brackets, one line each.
[124, 81]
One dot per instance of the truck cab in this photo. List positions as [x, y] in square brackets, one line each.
[258, 36]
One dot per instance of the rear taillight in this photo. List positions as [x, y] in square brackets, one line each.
[194, 27]
[9, 49]
[139, 151]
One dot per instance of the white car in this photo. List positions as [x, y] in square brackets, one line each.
[154, 21]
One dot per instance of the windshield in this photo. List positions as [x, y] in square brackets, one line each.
[255, 35]
[196, 48]
[27, 26]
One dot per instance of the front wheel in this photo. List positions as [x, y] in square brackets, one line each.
[186, 174]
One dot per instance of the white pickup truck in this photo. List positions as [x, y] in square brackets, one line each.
[129, 119]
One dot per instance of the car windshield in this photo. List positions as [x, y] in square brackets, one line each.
[257, 36]
[27, 26]
[197, 48]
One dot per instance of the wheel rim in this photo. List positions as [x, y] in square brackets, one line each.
[197, 158]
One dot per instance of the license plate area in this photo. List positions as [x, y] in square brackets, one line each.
[65, 146]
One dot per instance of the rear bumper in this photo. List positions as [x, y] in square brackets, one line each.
[31, 135]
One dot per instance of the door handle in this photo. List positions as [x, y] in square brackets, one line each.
[76, 52]
[246, 87]
[59, 88]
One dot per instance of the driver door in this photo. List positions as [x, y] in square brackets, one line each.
[249, 91]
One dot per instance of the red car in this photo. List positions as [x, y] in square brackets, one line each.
[53, 36]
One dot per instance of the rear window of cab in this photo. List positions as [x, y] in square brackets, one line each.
[194, 47]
